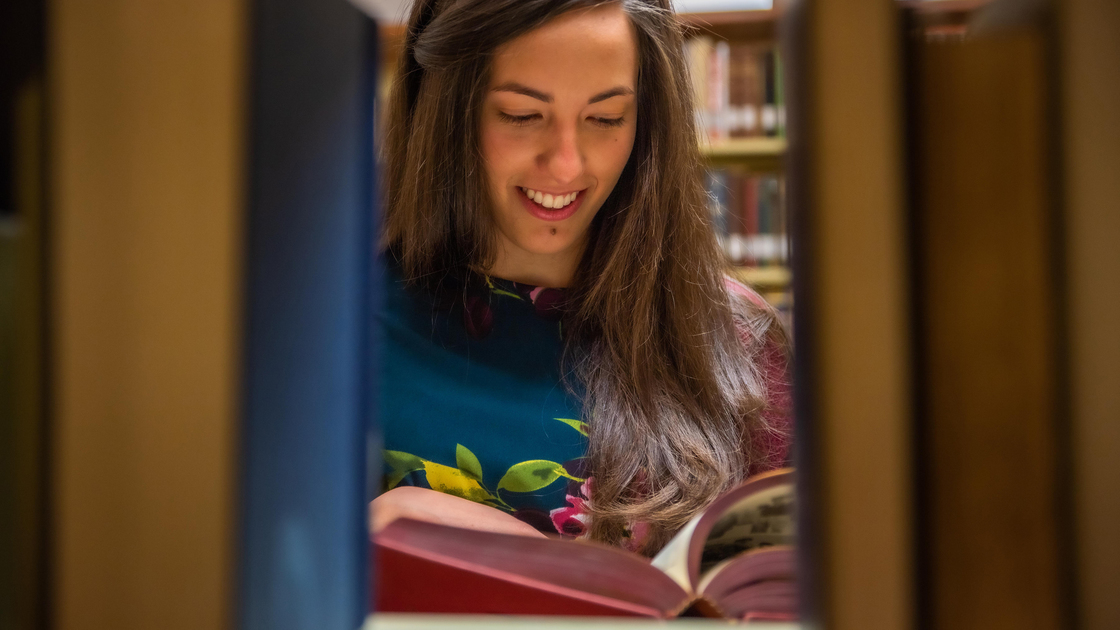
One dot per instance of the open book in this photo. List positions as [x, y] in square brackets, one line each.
[735, 559]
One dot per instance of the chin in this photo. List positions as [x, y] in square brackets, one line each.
[545, 247]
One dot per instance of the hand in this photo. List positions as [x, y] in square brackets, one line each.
[438, 507]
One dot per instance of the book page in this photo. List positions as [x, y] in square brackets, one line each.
[763, 519]
[763, 563]
[673, 558]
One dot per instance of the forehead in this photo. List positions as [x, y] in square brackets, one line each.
[584, 48]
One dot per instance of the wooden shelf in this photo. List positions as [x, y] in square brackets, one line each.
[762, 153]
[944, 17]
[774, 277]
[745, 147]
[759, 25]
[945, 9]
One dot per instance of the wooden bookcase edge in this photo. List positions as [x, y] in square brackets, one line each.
[760, 154]
[768, 277]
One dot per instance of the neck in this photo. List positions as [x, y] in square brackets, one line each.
[540, 270]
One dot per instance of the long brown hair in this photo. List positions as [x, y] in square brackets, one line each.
[672, 395]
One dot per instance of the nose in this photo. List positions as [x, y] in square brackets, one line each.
[562, 159]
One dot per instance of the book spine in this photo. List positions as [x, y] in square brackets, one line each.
[734, 215]
[750, 217]
[783, 226]
[698, 52]
[770, 99]
[720, 60]
[745, 91]
[779, 94]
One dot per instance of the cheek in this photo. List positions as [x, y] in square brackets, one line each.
[491, 153]
[615, 153]
[503, 152]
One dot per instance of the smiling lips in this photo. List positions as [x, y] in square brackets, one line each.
[550, 207]
[549, 200]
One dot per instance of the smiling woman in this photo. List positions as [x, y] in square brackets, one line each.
[564, 353]
[556, 133]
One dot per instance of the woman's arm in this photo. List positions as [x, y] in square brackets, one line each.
[438, 507]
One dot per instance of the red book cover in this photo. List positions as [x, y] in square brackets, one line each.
[732, 560]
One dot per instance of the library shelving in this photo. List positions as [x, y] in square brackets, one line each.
[737, 89]
[763, 154]
[772, 277]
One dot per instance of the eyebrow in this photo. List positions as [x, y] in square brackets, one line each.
[518, 88]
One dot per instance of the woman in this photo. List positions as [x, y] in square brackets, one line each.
[563, 352]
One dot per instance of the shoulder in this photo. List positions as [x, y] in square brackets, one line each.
[767, 344]
[740, 290]
[756, 320]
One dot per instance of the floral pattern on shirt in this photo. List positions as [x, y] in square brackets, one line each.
[478, 318]
[465, 480]
[457, 346]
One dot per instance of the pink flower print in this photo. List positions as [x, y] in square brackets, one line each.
[549, 303]
[573, 520]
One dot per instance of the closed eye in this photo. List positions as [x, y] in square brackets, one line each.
[520, 121]
[608, 123]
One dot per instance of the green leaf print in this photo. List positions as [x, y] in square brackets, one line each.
[496, 290]
[532, 475]
[452, 481]
[467, 462]
[402, 464]
[575, 424]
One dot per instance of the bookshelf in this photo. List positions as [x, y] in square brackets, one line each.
[757, 25]
[770, 278]
[763, 154]
[738, 90]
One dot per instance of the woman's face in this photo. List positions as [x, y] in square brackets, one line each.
[557, 129]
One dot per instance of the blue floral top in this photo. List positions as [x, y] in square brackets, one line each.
[472, 402]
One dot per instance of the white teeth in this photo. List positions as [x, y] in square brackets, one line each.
[548, 200]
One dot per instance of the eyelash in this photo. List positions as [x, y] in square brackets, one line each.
[521, 121]
[609, 122]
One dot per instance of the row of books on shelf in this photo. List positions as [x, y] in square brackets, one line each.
[748, 215]
[737, 88]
